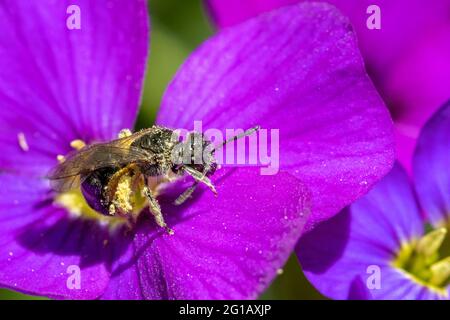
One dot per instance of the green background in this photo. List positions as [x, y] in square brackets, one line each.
[177, 28]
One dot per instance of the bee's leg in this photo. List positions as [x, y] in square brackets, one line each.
[115, 179]
[200, 177]
[155, 209]
[186, 194]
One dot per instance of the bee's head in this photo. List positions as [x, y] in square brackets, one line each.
[196, 152]
[196, 157]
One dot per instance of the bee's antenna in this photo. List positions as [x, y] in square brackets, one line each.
[237, 137]
[188, 192]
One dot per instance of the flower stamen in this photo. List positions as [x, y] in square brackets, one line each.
[78, 144]
[60, 158]
[419, 259]
[429, 244]
[23, 143]
[440, 272]
[124, 133]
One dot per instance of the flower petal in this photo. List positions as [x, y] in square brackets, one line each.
[366, 235]
[419, 86]
[431, 167]
[358, 290]
[381, 48]
[57, 84]
[408, 59]
[226, 13]
[39, 244]
[228, 247]
[296, 69]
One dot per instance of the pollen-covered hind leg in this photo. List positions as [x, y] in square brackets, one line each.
[155, 209]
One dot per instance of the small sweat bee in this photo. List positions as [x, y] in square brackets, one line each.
[101, 169]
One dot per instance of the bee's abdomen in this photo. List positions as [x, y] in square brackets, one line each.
[93, 189]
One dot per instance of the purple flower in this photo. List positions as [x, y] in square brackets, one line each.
[382, 237]
[408, 58]
[296, 69]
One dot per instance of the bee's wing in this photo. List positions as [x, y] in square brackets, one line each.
[127, 141]
[66, 176]
[65, 184]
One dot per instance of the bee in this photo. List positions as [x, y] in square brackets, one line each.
[101, 170]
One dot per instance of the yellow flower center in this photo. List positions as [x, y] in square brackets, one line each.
[426, 260]
[77, 207]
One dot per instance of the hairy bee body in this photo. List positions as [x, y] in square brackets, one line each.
[108, 174]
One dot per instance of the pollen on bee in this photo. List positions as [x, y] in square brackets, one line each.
[122, 197]
[77, 144]
[112, 209]
[23, 142]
